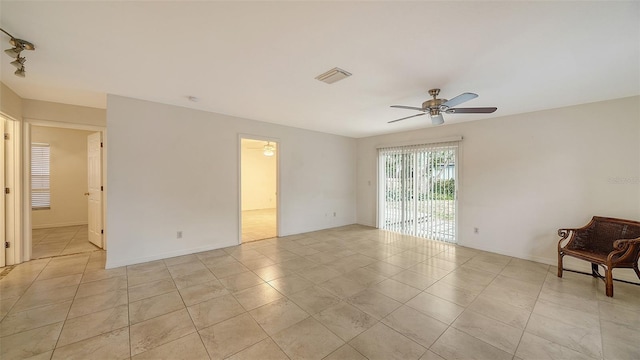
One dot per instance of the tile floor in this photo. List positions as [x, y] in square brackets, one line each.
[347, 293]
[61, 241]
[258, 225]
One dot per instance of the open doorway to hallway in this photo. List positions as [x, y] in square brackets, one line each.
[259, 179]
[60, 192]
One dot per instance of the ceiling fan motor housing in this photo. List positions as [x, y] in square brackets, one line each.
[433, 104]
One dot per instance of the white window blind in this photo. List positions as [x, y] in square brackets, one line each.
[40, 176]
[418, 190]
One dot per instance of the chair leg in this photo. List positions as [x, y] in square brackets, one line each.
[559, 265]
[635, 268]
[594, 270]
[609, 281]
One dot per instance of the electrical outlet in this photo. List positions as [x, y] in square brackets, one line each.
[179, 235]
[476, 230]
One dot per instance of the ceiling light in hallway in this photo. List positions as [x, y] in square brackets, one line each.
[19, 45]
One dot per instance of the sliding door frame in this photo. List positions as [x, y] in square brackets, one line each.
[381, 183]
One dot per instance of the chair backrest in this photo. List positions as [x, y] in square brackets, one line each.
[601, 232]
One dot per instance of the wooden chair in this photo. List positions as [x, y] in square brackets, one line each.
[608, 242]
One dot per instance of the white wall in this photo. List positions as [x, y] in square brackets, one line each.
[258, 179]
[522, 177]
[10, 102]
[173, 168]
[68, 169]
[37, 110]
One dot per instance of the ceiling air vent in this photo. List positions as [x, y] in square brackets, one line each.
[333, 75]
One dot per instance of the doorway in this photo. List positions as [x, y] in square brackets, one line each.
[258, 189]
[61, 189]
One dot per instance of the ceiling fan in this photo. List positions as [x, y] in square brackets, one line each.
[435, 107]
[266, 147]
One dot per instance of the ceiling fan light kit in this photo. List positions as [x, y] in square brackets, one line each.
[436, 107]
[268, 150]
[19, 46]
[437, 119]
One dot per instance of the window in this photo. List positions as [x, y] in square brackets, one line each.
[418, 190]
[40, 177]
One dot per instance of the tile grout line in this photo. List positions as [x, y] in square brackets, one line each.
[600, 322]
[126, 274]
[189, 313]
[23, 293]
[528, 318]
[64, 322]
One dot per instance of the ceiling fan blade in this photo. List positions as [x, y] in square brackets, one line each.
[404, 118]
[478, 110]
[464, 97]
[407, 107]
[437, 120]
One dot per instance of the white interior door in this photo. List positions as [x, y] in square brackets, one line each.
[94, 162]
[3, 219]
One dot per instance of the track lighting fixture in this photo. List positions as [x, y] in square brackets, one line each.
[19, 46]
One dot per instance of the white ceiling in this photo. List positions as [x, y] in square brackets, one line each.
[258, 60]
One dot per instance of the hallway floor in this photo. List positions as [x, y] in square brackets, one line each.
[61, 241]
[347, 293]
[258, 224]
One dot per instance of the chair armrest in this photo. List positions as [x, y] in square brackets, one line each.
[623, 244]
[625, 249]
[564, 233]
[572, 233]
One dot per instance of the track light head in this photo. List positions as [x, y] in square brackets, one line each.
[19, 62]
[20, 72]
[13, 52]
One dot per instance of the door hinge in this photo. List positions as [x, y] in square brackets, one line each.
[102, 231]
[7, 191]
[101, 145]
[6, 136]
[101, 188]
[7, 245]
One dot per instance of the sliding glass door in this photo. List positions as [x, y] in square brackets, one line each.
[418, 190]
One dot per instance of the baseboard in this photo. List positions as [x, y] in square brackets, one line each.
[569, 264]
[132, 261]
[47, 226]
[290, 232]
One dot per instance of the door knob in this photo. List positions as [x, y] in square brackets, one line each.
[86, 194]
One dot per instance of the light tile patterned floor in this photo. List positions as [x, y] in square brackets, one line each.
[61, 241]
[347, 293]
[258, 224]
